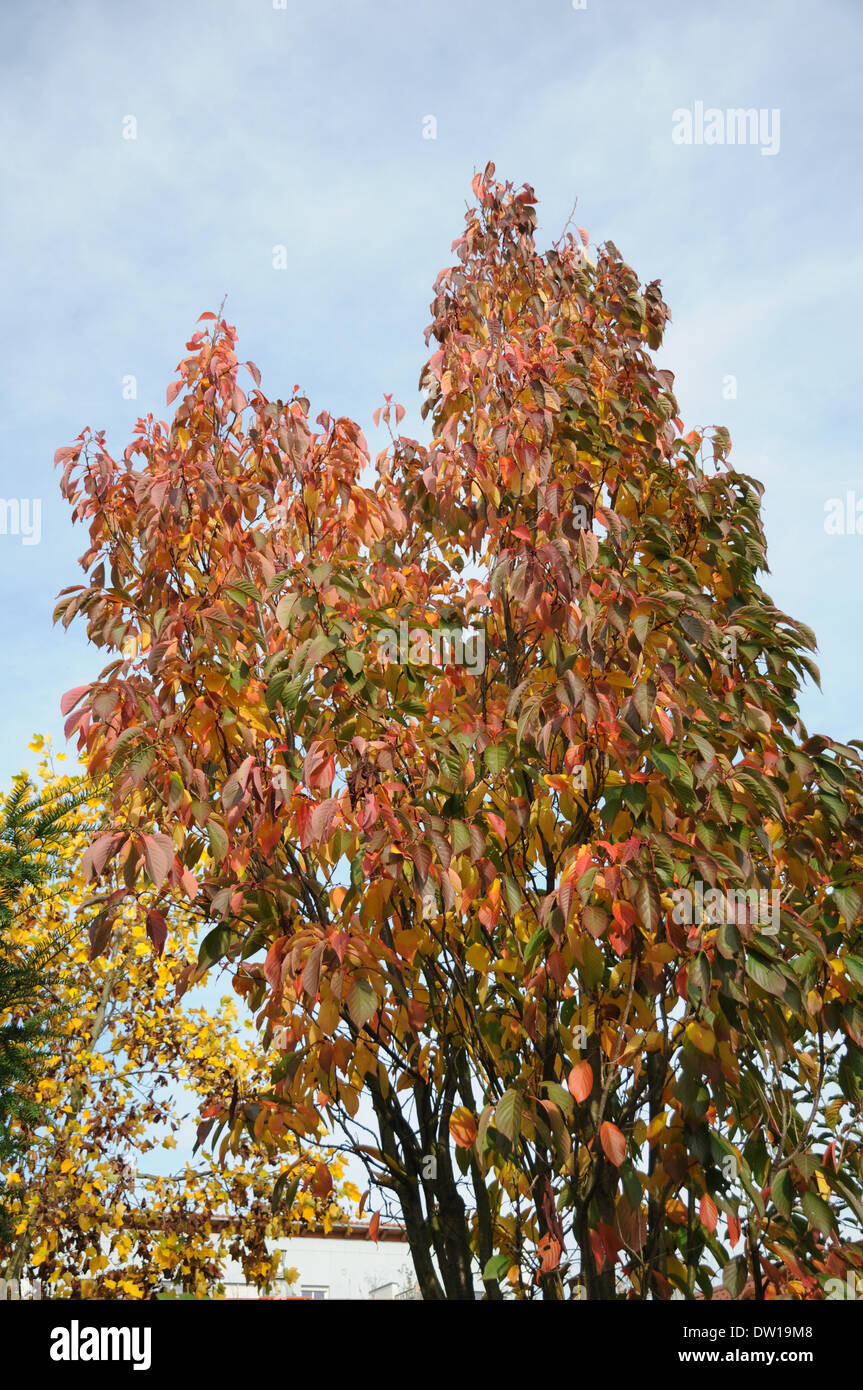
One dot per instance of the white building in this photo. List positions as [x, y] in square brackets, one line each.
[344, 1264]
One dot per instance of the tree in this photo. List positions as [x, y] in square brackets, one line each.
[461, 749]
[130, 1057]
[33, 828]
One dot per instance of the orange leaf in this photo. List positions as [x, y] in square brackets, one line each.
[373, 1226]
[580, 1081]
[462, 1127]
[708, 1212]
[548, 1248]
[613, 1143]
[322, 1181]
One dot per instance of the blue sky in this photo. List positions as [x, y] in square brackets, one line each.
[303, 127]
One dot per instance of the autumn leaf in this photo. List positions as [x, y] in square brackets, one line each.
[462, 1127]
[580, 1081]
[158, 856]
[613, 1143]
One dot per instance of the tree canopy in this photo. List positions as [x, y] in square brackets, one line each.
[485, 770]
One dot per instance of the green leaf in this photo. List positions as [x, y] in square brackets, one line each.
[357, 875]
[765, 976]
[460, 837]
[284, 1192]
[728, 942]
[782, 1192]
[559, 1094]
[818, 1213]
[362, 1002]
[667, 763]
[734, 1276]
[242, 591]
[218, 840]
[538, 938]
[722, 802]
[849, 903]
[214, 945]
[319, 647]
[641, 627]
[644, 698]
[507, 1115]
[496, 757]
[635, 796]
[513, 894]
[285, 609]
[590, 962]
[497, 1267]
[854, 966]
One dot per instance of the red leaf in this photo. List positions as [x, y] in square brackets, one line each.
[97, 855]
[312, 969]
[72, 723]
[620, 935]
[598, 1248]
[373, 1226]
[613, 1143]
[158, 856]
[100, 934]
[565, 894]
[157, 930]
[71, 698]
[273, 964]
[319, 768]
[497, 823]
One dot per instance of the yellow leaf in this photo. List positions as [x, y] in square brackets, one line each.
[478, 958]
[703, 1039]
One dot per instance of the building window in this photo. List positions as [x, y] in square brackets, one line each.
[315, 1290]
